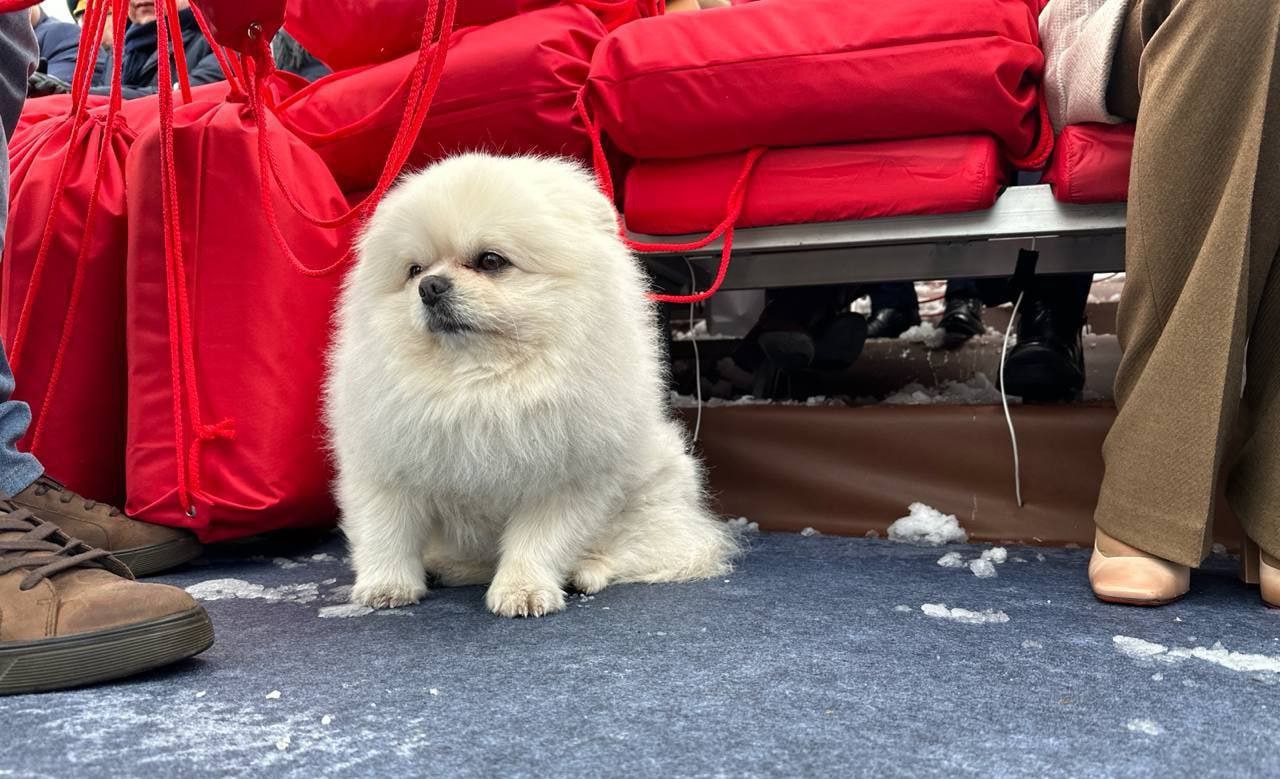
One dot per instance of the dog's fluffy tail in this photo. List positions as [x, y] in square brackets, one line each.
[665, 533]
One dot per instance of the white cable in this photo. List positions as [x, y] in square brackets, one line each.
[1004, 400]
[697, 358]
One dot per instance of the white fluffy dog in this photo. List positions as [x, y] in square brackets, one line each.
[497, 402]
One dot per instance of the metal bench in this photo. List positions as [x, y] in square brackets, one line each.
[1070, 239]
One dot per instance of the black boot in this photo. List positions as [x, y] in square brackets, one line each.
[1048, 362]
[961, 321]
[892, 322]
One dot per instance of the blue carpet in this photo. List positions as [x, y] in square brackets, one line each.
[814, 659]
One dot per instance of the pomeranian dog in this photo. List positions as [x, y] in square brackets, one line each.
[496, 398]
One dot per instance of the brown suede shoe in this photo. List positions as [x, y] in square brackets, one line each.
[71, 614]
[146, 548]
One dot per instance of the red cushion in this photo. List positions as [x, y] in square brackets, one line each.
[1091, 164]
[817, 184]
[507, 87]
[819, 72]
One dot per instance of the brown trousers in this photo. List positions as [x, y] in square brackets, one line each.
[1201, 306]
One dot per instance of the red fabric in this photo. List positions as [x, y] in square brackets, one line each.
[817, 184]
[245, 418]
[236, 24]
[507, 87]
[1091, 164]
[346, 34]
[41, 108]
[826, 71]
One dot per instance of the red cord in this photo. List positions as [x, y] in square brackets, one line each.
[179, 50]
[424, 82]
[1040, 153]
[224, 61]
[181, 341]
[733, 209]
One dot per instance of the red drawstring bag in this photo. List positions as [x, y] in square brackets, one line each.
[507, 87]
[345, 34]
[388, 29]
[225, 375]
[38, 109]
[780, 74]
[817, 184]
[62, 305]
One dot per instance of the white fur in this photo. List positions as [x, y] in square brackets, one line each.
[535, 450]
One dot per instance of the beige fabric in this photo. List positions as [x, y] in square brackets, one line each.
[1079, 38]
[1202, 301]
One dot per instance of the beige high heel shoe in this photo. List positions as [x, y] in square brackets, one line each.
[1258, 567]
[1120, 573]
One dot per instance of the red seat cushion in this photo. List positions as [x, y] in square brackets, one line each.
[1091, 164]
[817, 184]
[781, 74]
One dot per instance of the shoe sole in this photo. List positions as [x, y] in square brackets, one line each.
[89, 658]
[149, 560]
[1133, 602]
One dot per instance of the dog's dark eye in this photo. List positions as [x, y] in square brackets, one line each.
[490, 262]
[415, 271]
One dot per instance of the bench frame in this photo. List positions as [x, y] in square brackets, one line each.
[975, 244]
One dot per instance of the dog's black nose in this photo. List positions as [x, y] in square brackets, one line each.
[432, 288]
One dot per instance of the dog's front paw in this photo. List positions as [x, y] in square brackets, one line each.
[591, 576]
[387, 595]
[524, 600]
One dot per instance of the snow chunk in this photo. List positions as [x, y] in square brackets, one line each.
[1028, 644]
[925, 333]
[745, 525]
[344, 610]
[952, 560]
[433, 691]
[285, 563]
[1145, 726]
[983, 568]
[326, 719]
[1137, 648]
[202, 693]
[283, 743]
[976, 391]
[998, 555]
[940, 611]
[926, 525]
[903, 608]
[809, 532]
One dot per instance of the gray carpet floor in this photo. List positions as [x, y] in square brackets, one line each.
[818, 657]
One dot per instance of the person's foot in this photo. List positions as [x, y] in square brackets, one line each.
[892, 322]
[1119, 573]
[1048, 362]
[146, 548]
[1258, 567]
[72, 615]
[961, 321]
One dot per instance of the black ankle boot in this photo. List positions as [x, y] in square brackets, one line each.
[892, 322]
[1048, 362]
[961, 321]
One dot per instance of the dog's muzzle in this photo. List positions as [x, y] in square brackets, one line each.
[434, 288]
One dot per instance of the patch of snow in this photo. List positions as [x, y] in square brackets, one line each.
[230, 589]
[1241, 662]
[274, 695]
[809, 532]
[928, 526]
[903, 608]
[434, 691]
[998, 555]
[285, 563]
[975, 391]
[1029, 644]
[940, 611]
[283, 743]
[326, 719]
[1145, 726]
[925, 333]
[323, 558]
[1040, 558]
[1157, 677]
[202, 693]
[952, 560]
[745, 525]
[344, 610]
